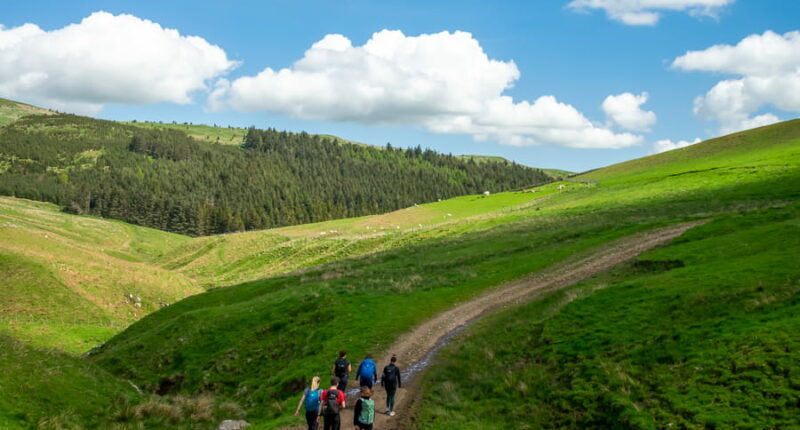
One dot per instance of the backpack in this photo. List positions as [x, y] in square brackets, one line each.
[367, 369]
[332, 402]
[390, 375]
[341, 367]
[367, 415]
[312, 400]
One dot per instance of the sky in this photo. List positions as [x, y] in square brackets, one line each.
[569, 84]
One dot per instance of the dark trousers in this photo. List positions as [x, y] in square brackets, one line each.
[342, 383]
[364, 426]
[311, 420]
[391, 390]
[366, 381]
[332, 422]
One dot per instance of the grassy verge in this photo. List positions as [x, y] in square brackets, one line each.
[697, 334]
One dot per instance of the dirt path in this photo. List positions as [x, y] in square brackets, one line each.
[415, 348]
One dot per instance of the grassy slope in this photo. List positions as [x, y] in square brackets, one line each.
[66, 276]
[11, 111]
[38, 383]
[557, 173]
[705, 345]
[69, 274]
[708, 345]
[213, 339]
[234, 258]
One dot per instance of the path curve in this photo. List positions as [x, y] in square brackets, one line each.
[416, 345]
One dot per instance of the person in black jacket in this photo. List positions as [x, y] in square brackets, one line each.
[341, 369]
[391, 382]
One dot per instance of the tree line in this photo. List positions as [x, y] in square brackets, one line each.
[166, 180]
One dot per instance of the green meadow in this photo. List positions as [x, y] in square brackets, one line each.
[698, 334]
[623, 347]
[236, 341]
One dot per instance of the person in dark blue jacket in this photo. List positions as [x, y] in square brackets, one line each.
[367, 372]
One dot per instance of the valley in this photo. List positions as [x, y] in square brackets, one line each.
[220, 316]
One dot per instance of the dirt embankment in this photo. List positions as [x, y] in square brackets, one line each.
[413, 349]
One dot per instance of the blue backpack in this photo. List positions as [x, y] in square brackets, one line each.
[367, 369]
[312, 400]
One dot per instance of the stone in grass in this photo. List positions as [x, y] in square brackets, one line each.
[233, 425]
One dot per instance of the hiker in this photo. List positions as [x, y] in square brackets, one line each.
[364, 413]
[313, 405]
[367, 373]
[390, 380]
[342, 369]
[332, 403]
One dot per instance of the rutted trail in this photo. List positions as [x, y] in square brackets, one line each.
[414, 349]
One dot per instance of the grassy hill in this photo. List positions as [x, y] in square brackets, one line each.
[694, 335]
[11, 111]
[306, 291]
[70, 276]
[67, 278]
[211, 341]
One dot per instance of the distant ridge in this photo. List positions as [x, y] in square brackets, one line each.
[11, 111]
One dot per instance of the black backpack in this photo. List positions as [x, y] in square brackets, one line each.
[341, 367]
[390, 375]
[332, 403]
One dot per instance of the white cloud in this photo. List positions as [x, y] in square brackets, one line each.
[646, 12]
[768, 70]
[625, 111]
[105, 59]
[444, 82]
[668, 145]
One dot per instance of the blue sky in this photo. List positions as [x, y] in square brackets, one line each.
[579, 57]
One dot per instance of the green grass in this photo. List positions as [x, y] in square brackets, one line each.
[204, 133]
[367, 279]
[708, 345]
[558, 173]
[214, 338]
[51, 390]
[66, 276]
[11, 111]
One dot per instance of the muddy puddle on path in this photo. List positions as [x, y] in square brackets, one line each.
[408, 373]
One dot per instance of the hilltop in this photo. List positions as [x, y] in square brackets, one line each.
[11, 111]
[165, 179]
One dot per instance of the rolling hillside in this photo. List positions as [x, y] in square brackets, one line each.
[71, 275]
[212, 339]
[69, 279]
[374, 278]
[11, 111]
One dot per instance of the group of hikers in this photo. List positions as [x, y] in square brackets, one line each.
[328, 403]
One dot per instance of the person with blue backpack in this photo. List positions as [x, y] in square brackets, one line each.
[311, 400]
[364, 412]
[367, 372]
